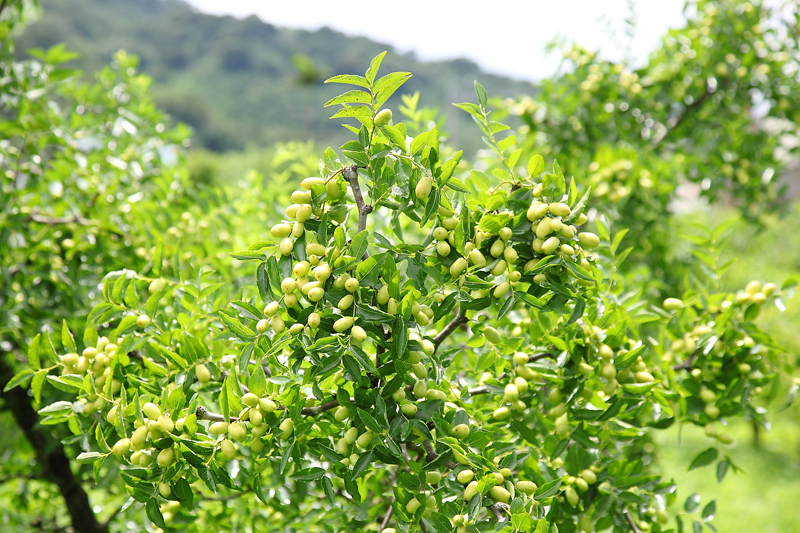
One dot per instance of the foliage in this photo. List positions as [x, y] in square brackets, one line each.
[245, 83]
[472, 339]
[716, 105]
[421, 343]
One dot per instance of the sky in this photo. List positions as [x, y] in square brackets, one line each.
[505, 37]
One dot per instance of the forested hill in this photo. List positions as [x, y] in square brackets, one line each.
[242, 82]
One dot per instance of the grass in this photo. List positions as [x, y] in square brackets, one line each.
[763, 498]
[760, 499]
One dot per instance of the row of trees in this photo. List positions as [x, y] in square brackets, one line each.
[407, 340]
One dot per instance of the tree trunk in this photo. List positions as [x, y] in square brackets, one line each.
[50, 455]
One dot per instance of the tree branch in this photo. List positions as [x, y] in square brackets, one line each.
[50, 455]
[687, 364]
[450, 328]
[633, 525]
[317, 409]
[351, 174]
[388, 514]
[431, 456]
[498, 509]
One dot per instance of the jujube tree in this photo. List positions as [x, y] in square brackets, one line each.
[425, 347]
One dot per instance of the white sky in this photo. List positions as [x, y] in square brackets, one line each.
[505, 37]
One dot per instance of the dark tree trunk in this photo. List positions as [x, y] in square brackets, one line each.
[50, 455]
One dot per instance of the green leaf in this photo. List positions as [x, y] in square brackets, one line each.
[237, 328]
[158, 259]
[309, 474]
[258, 381]
[67, 338]
[248, 255]
[704, 458]
[481, 93]
[722, 469]
[547, 490]
[89, 457]
[349, 79]
[709, 510]
[692, 503]
[386, 86]
[154, 512]
[33, 351]
[374, 65]
[350, 97]
[57, 408]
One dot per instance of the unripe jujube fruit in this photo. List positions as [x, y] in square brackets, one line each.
[460, 431]
[383, 117]
[500, 494]
[423, 189]
[526, 487]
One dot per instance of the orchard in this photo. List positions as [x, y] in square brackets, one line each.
[411, 342]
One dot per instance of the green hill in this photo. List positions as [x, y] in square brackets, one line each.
[243, 82]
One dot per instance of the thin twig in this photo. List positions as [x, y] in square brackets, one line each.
[317, 409]
[431, 456]
[423, 528]
[390, 508]
[633, 525]
[498, 510]
[450, 328]
[687, 364]
[351, 174]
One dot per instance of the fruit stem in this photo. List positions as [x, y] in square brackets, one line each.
[633, 525]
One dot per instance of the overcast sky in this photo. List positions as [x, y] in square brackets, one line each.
[505, 37]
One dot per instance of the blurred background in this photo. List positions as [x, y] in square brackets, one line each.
[246, 77]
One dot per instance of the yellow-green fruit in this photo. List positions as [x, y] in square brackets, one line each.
[166, 424]
[419, 370]
[256, 418]
[526, 487]
[271, 309]
[428, 347]
[164, 489]
[510, 255]
[143, 321]
[303, 213]
[237, 431]
[530, 214]
[296, 329]
[465, 476]
[768, 289]
[589, 476]
[433, 478]
[644, 377]
[560, 209]
[316, 294]
[566, 249]
[277, 323]
[218, 428]
[138, 437]
[477, 258]
[423, 189]
[492, 335]
[399, 395]
[460, 431]
[550, 245]
[458, 266]
[345, 302]
[383, 117]
[389, 530]
[521, 384]
[588, 240]
[498, 477]
[266, 405]
[151, 411]
[365, 439]
[520, 358]
[111, 416]
[450, 223]
[544, 228]
[501, 413]
[165, 457]
[413, 505]
[122, 447]
[383, 295]
[500, 494]
[497, 248]
[671, 304]
[351, 284]
[358, 334]
[287, 426]
[712, 411]
[572, 496]
[156, 286]
[262, 325]
[471, 491]
[510, 393]
[708, 396]
[309, 183]
[409, 409]
[505, 233]
[341, 414]
[322, 272]
[228, 449]
[301, 197]
[501, 290]
[442, 248]
[581, 484]
[286, 246]
[542, 210]
[343, 324]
